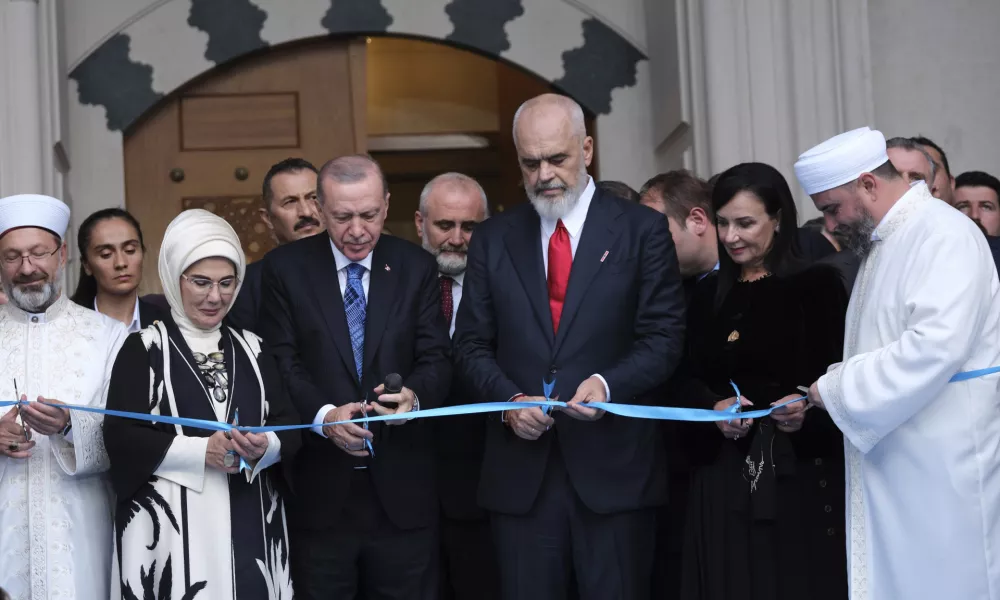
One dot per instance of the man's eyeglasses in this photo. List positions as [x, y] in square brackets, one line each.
[35, 256]
[203, 285]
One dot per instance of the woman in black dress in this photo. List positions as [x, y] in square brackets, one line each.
[112, 253]
[766, 513]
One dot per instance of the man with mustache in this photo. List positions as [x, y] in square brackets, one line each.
[291, 212]
[579, 288]
[923, 474]
[55, 510]
[451, 206]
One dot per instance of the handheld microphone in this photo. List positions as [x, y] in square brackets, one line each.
[393, 385]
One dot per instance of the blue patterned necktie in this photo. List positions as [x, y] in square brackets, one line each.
[355, 307]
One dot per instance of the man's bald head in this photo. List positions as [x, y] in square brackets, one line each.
[554, 151]
[354, 198]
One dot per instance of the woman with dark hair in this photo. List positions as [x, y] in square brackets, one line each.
[111, 255]
[765, 519]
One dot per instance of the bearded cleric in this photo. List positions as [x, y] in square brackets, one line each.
[55, 512]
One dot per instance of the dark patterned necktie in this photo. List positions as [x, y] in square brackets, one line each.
[447, 300]
[355, 307]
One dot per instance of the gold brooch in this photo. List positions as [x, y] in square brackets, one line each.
[735, 335]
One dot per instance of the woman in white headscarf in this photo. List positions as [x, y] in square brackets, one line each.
[200, 514]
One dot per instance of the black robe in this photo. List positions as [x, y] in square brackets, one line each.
[259, 547]
[773, 529]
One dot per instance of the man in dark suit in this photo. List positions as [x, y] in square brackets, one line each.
[341, 312]
[582, 288]
[291, 212]
[451, 206]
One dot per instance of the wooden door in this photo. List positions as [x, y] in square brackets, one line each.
[210, 145]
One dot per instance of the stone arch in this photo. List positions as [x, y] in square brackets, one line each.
[152, 56]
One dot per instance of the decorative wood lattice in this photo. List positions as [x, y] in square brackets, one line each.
[241, 212]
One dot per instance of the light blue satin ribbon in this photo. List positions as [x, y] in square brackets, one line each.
[635, 411]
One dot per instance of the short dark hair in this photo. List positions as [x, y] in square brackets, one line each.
[978, 179]
[912, 145]
[680, 192]
[289, 165]
[923, 141]
[618, 188]
[350, 169]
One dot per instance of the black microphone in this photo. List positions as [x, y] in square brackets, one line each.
[393, 385]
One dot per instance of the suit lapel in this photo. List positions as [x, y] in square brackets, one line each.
[524, 243]
[597, 239]
[381, 287]
[325, 286]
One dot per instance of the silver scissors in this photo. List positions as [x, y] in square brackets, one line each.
[19, 418]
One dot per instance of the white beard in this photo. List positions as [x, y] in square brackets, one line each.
[36, 300]
[449, 263]
[557, 208]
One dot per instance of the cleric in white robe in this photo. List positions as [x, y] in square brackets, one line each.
[189, 522]
[55, 508]
[922, 453]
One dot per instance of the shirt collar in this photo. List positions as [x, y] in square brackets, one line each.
[458, 279]
[706, 274]
[573, 221]
[914, 189]
[136, 324]
[343, 261]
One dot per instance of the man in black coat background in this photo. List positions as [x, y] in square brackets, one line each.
[341, 312]
[582, 288]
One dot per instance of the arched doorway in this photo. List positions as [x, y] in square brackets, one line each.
[419, 107]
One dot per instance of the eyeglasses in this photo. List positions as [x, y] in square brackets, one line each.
[35, 256]
[203, 286]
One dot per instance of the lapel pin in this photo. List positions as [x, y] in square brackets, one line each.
[605, 256]
[387, 268]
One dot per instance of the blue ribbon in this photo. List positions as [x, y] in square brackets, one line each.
[635, 411]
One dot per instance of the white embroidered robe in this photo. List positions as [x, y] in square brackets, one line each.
[922, 454]
[55, 507]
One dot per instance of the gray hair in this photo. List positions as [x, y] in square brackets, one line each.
[455, 179]
[564, 102]
[350, 169]
[909, 144]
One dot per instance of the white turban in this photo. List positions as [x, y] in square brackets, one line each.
[841, 159]
[34, 210]
[194, 235]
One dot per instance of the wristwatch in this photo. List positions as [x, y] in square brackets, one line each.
[69, 425]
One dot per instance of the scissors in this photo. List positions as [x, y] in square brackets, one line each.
[364, 415]
[20, 420]
[232, 456]
[547, 389]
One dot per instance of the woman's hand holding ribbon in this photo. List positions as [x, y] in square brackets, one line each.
[789, 418]
[736, 427]
[251, 446]
[215, 455]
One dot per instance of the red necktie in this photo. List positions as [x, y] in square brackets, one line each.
[560, 263]
[446, 298]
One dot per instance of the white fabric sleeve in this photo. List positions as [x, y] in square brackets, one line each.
[318, 419]
[944, 304]
[607, 390]
[271, 456]
[184, 463]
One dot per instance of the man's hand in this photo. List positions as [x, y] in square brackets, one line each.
[251, 446]
[737, 427]
[46, 420]
[591, 391]
[13, 443]
[404, 399]
[789, 418]
[529, 423]
[814, 398]
[349, 437]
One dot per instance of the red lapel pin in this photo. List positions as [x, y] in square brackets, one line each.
[605, 256]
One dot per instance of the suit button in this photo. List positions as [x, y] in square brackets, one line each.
[822, 483]
[553, 369]
[831, 531]
[819, 462]
[828, 508]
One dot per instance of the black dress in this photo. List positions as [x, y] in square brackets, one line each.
[766, 512]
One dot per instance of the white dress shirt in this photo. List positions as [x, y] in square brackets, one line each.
[135, 325]
[342, 262]
[456, 297]
[573, 222]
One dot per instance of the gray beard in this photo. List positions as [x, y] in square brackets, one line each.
[449, 264]
[559, 207]
[37, 300]
[858, 236]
